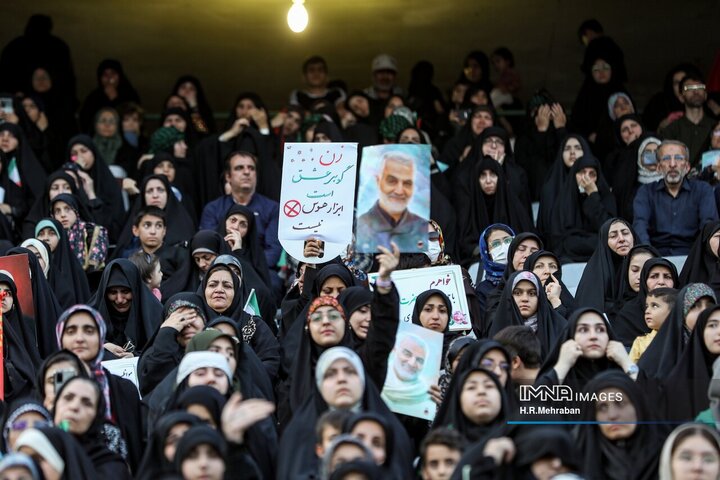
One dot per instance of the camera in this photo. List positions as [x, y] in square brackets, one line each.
[464, 115]
[61, 377]
[6, 105]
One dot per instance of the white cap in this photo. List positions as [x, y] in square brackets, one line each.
[384, 62]
[195, 360]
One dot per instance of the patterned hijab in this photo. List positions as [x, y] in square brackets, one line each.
[96, 367]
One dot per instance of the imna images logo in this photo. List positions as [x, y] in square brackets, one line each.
[563, 393]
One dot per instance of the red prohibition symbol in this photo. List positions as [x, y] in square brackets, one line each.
[292, 208]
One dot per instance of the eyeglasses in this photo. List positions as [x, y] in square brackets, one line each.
[107, 121]
[495, 142]
[433, 236]
[667, 158]
[689, 88]
[601, 68]
[497, 243]
[489, 364]
[332, 315]
[24, 424]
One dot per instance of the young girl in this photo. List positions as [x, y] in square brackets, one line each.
[149, 266]
[88, 241]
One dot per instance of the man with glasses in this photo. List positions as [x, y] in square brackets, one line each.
[693, 128]
[670, 213]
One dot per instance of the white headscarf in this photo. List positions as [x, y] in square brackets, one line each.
[37, 440]
[42, 249]
[195, 360]
[665, 466]
[330, 356]
[644, 175]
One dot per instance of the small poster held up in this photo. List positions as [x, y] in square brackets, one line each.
[317, 198]
[447, 278]
[710, 158]
[125, 368]
[413, 366]
[393, 198]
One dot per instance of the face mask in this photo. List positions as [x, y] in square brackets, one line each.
[499, 253]
[433, 251]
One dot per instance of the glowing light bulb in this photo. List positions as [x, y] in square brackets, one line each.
[297, 16]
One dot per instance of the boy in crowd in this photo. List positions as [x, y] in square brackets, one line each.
[440, 453]
[524, 349]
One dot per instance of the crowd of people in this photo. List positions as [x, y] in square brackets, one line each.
[150, 246]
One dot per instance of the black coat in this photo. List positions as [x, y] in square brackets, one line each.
[106, 186]
[66, 277]
[552, 187]
[635, 457]
[599, 286]
[577, 217]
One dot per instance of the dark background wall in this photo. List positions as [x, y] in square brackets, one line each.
[237, 45]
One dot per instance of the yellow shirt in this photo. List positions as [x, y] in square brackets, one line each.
[640, 345]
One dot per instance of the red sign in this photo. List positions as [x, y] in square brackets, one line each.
[19, 268]
[2, 353]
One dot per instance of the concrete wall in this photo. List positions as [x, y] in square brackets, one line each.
[237, 45]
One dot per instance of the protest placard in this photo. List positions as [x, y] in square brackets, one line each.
[125, 368]
[317, 197]
[413, 366]
[710, 158]
[447, 278]
[393, 198]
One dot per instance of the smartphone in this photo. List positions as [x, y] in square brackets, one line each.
[61, 377]
[70, 166]
[321, 244]
[464, 115]
[6, 105]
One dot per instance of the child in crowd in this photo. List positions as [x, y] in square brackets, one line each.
[658, 304]
[329, 426]
[440, 452]
[149, 266]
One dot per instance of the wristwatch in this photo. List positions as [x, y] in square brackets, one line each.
[632, 369]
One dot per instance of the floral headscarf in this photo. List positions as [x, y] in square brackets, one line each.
[96, 365]
[325, 301]
[695, 291]
[443, 258]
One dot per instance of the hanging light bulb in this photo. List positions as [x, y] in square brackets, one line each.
[297, 16]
